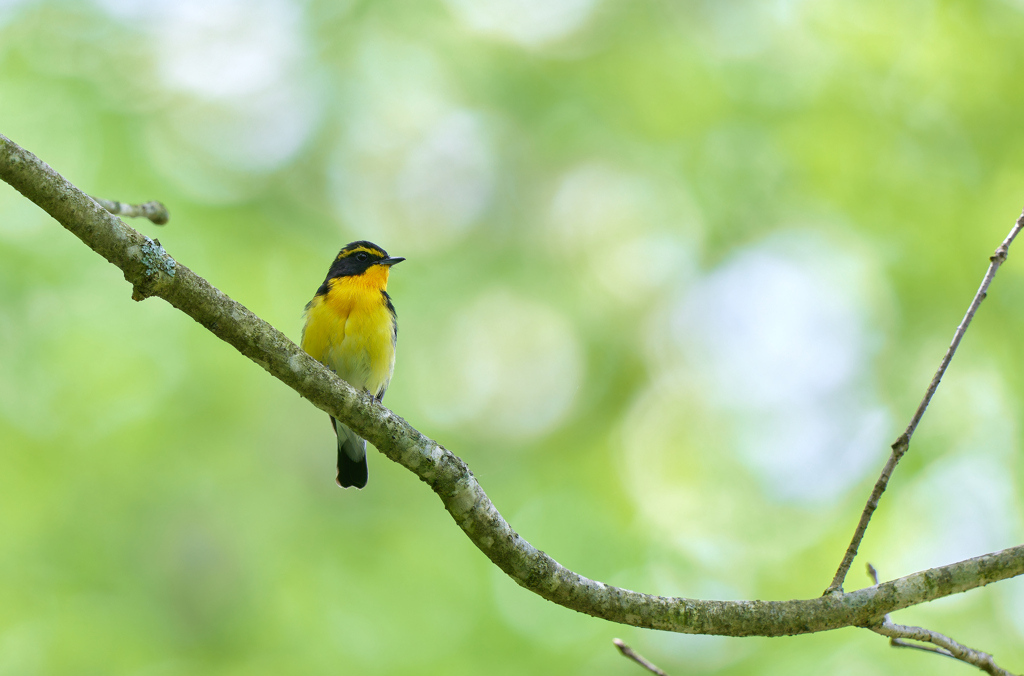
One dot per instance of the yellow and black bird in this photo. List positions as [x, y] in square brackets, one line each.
[351, 327]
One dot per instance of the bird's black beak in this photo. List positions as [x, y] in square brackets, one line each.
[391, 261]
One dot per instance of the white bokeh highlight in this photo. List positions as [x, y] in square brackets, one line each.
[239, 95]
[971, 510]
[965, 499]
[528, 23]
[760, 387]
[226, 49]
[770, 331]
[446, 177]
[8, 9]
[631, 234]
[507, 366]
[779, 339]
[413, 166]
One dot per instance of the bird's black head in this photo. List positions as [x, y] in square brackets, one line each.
[357, 258]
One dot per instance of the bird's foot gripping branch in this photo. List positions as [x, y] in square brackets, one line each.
[152, 272]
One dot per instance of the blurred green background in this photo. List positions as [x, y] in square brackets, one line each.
[678, 273]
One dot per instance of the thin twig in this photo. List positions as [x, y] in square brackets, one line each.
[900, 643]
[940, 645]
[873, 573]
[944, 646]
[154, 211]
[900, 446]
[636, 657]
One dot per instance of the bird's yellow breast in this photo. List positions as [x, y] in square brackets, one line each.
[351, 330]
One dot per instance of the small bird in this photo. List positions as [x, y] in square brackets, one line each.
[351, 328]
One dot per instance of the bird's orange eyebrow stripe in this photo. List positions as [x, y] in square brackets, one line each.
[346, 254]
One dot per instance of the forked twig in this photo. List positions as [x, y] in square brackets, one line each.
[900, 643]
[636, 657]
[943, 646]
[900, 446]
[940, 644]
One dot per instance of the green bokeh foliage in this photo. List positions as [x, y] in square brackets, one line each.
[166, 507]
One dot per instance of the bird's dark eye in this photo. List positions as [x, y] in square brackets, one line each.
[362, 256]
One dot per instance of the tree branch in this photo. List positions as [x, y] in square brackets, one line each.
[902, 444]
[152, 272]
[940, 644]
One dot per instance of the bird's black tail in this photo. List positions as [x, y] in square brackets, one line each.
[352, 469]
